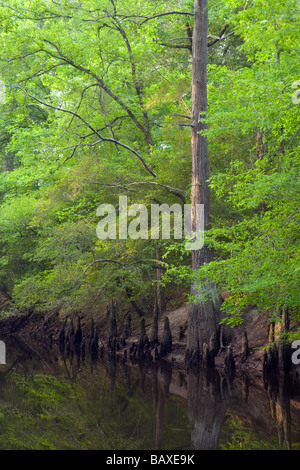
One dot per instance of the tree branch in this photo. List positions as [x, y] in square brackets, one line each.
[100, 82]
[176, 46]
[159, 15]
[102, 139]
[37, 18]
[21, 56]
[181, 124]
[101, 261]
[42, 72]
[178, 192]
[209, 44]
[161, 265]
[220, 37]
[183, 116]
[110, 124]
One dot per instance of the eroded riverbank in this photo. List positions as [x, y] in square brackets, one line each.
[48, 328]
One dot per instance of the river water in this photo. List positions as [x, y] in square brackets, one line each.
[50, 401]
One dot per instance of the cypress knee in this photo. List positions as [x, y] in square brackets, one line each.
[166, 344]
[214, 344]
[229, 360]
[143, 335]
[245, 347]
[208, 359]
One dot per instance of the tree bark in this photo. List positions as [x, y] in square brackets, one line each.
[203, 313]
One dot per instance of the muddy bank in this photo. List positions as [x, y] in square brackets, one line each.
[47, 328]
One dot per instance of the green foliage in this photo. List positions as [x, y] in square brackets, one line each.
[110, 72]
[95, 104]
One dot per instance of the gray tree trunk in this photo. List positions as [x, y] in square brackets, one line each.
[203, 314]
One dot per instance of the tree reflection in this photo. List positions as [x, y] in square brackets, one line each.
[161, 380]
[207, 407]
[278, 392]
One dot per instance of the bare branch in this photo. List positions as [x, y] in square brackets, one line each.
[223, 29]
[145, 182]
[183, 116]
[221, 36]
[219, 39]
[179, 39]
[176, 191]
[176, 46]
[159, 15]
[181, 124]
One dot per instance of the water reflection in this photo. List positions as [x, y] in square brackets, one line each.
[279, 393]
[207, 403]
[213, 398]
[157, 406]
[160, 392]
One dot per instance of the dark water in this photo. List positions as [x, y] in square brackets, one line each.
[48, 401]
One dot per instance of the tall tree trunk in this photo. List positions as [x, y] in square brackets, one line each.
[202, 318]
